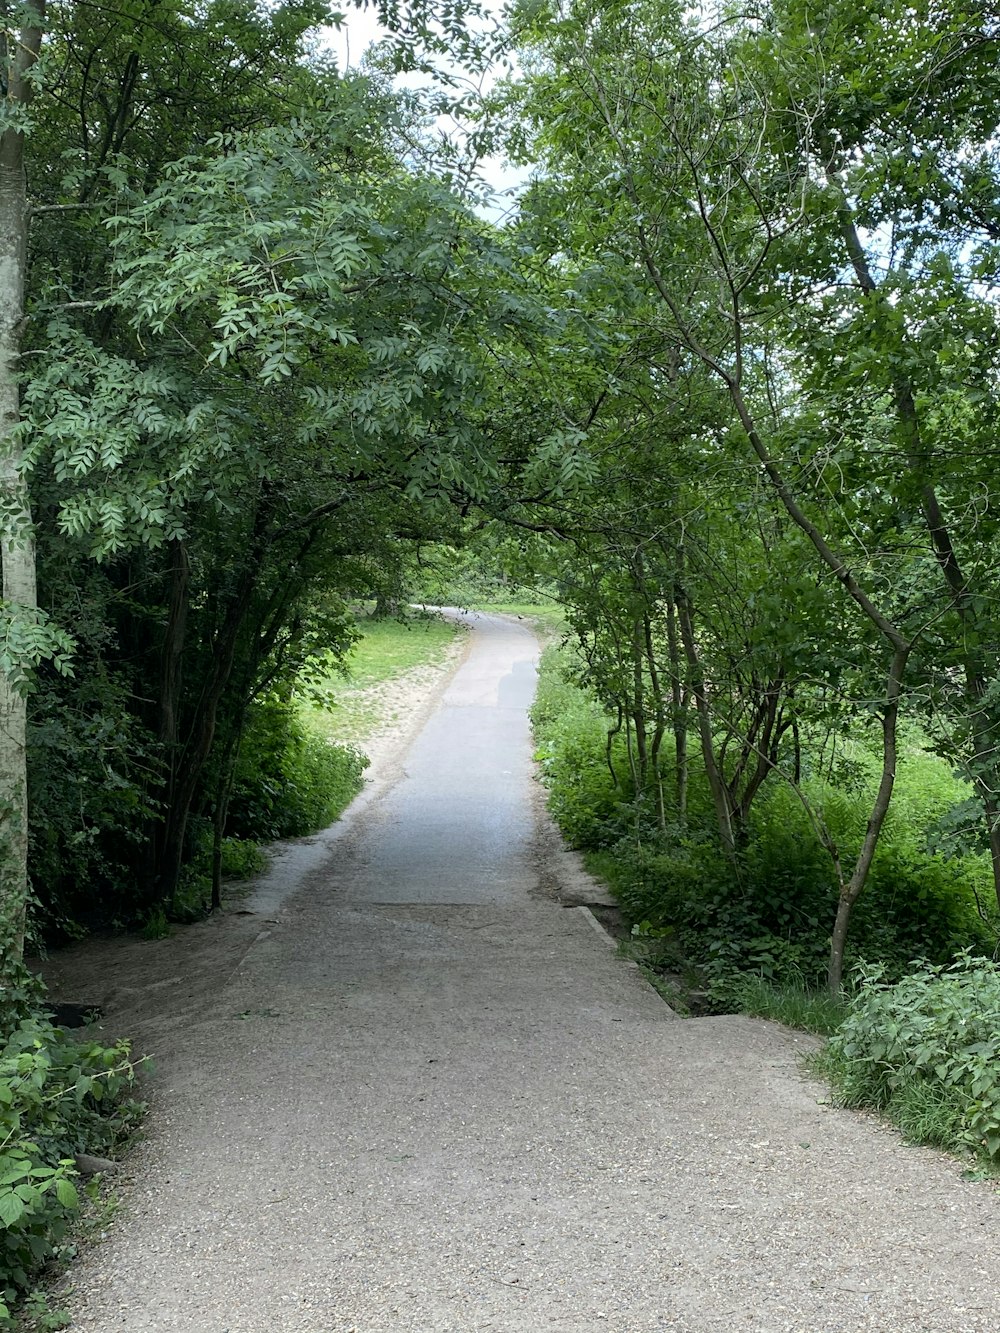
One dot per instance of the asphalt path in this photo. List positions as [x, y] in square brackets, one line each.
[427, 1096]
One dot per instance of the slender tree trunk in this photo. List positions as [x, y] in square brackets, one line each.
[17, 549]
[850, 892]
[660, 722]
[170, 705]
[609, 743]
[716, 782]
[679, 710]
[639, 709]
[199, 744]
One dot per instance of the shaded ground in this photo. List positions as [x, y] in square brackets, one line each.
[417, 1093]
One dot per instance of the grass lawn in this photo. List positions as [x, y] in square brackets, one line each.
[548, 618]
[387, 649]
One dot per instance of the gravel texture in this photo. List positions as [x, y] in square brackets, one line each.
[418, 1091]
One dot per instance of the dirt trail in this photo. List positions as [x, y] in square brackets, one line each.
[420, 1094]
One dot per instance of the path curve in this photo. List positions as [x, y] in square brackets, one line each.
[428, 1098]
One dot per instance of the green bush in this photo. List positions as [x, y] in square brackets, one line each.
[770, 914]
[289, 782]
[88, 762]
[591, 808]
[58, 1097]
[926, 1053]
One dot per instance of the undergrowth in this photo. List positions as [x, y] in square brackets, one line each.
[767, 914]
[925, 1052]
[59, 1097]
[794, 1005]
[289, 782]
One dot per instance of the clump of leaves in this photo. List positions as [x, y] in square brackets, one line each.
[289, 782]
[926, 1053]
[58, 1097]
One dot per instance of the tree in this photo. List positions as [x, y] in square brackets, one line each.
[697, 161]
[24, 637]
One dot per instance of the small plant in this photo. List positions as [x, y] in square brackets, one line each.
[41, 1317]
[156, 926]
[926, 1053]
[58, 1097]
[794, 1005]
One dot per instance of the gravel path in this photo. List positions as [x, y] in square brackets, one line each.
[421, 1094]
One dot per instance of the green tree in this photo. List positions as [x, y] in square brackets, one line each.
[695, 161]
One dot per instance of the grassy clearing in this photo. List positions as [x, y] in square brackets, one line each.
[356, 704]
[548, 618]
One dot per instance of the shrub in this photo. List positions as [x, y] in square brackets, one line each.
[926, 1053]
[289, 782]
[58, 1097]
[591, 808]
[770, 914]
[88, 762]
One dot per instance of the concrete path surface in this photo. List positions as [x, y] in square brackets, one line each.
[428, 1097]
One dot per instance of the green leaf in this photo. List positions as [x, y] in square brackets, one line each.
[66, 1193]
[12, 1208]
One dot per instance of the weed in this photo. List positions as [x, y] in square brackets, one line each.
[39, 1316]
[794, 1005]
[156, 925]
[926, 1053]
[58, 1097]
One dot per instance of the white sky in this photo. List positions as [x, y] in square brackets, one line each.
[350, 42]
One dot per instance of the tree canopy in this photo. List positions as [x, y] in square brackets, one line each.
[726, 379]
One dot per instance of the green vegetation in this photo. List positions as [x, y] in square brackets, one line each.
[58, 1097]
[288, 782]
[793, 1005]
[925, 1051]
[349, 705]
[767, 913]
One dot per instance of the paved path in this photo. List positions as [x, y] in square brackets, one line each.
[430, 1098]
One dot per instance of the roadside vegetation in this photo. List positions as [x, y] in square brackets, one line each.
[723, 384]
[911, 1030]
[60, 1097]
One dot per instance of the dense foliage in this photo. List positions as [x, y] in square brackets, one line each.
[925, 1051]
[59, 1097]
[258, 315]
[715, 920]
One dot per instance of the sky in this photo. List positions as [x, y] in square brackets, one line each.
[349, 43]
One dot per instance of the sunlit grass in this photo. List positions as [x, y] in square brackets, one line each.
[549, 618]
[387, 650]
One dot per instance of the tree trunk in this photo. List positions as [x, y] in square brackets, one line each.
[169, 707]
[223, 793]
[850, 892]
[639, 710]
[199, 743]
[716, 782]
[679, 709]
[17, 549]
[660, 727]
